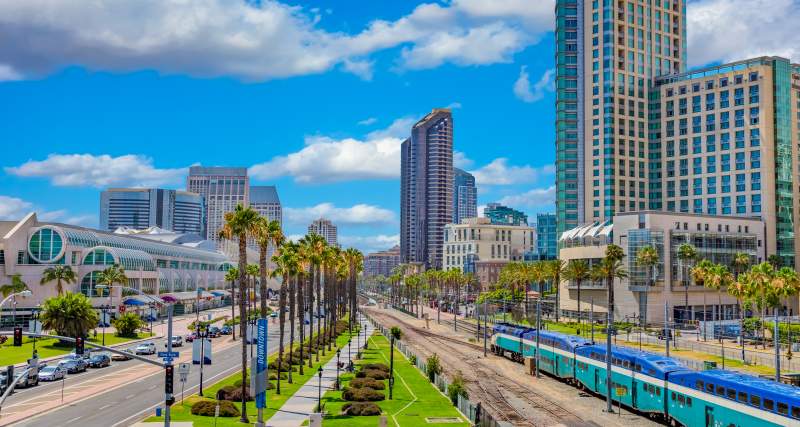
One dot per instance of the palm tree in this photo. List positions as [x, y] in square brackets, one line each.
[16, 286]
[741, 290]
[785, 284]
[230, 276]
[316, 246]
[239, 225]
[59, 273]
[648, 258]
[776, 261]
[355, 263]
[762, 276]
[70, 315]
[267, 233]
[687, 254]
[253, 271]
[285, 266]
[717, 278]
[700, 273]
[555, 269]
[112, 275]
[578, 270]
[608, 269]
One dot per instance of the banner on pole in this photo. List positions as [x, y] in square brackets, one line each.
[261, 364]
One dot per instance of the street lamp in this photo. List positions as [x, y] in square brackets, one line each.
[202, 333]
[348, 349]
[337, 368]
[366, 344]
[35, 327]
[25, 293]
[104, 310]
[319, 390]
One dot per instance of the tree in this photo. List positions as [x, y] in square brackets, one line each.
[112, 275]
[608, 269]
[127, 325]
[59, 274]
[395, 333]
[741, 290]
[785, 284]
[578, 270]
[355, 263]
[267, 233]
[230, 276]
[69, 315]
[648, 258]
[315, 245]
[253, 271]
[776, 261]
[741, 262]
[687, 254]
[718, 277]
[555, 269]
[16, 286]
[286, 267]
[239, 225]
[762, 276]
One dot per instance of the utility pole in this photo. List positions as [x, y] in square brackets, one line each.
[591, 318]
[538, 329]
[168, 387]
[666, 326]
[485, 316]
[777, 349]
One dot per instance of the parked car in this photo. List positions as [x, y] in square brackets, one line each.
[214, 332]
[27, 379]
[73, 366]
[226, 330]
[145, 348]
[273, 314]
[177, 341]
[190, 337]
[123, 357]
[99, 360]
[51, 373]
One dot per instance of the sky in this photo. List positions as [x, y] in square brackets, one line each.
[314, 97]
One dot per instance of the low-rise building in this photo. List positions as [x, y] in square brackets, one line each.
[716, 238]
[478, 240]
[382, 263]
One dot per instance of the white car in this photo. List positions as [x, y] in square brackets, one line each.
[51, 373]
[145, 348]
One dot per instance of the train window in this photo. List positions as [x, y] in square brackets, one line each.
[651, 372]
[688, 401]
[720, 390]
[731, 394]
[699, 385]
[673, 395]
[658, 392]
[681, 400]
[710, 388]
[626, 364]
[755, 401]
[652, 389]
[796, 412]
[742, 397]
[769, 405]
[783, 408]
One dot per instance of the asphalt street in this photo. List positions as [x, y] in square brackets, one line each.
[135, 400]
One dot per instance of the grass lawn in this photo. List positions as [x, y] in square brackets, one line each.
[414, 397]
[183, 411]
[10, 355]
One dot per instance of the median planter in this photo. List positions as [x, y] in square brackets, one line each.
[362, 409]
[207, 408]
[364, 394]
[367, 382]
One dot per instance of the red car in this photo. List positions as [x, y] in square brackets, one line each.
[190, 337]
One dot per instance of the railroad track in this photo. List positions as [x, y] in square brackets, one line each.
[497, 389]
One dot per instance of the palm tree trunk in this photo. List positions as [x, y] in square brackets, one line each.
[281, 319]
[292, 291]
[233, 311]
[242, 324]
[263, 288]
[301, 311]
[310, 307]
[320, 346]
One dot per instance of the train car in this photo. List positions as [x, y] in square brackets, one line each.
[730, 399]
[639, 379]
[557, 351]
[507, 340]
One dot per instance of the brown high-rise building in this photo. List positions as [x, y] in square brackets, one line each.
[426, 190]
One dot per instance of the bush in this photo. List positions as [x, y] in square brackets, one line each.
[376, 366]
[457, 388]
[367, 382]
[363, 409]
[234, 393]
[372, 373]
[434, 367]
[274, 377]
[127, 324]
[413, 358]
[364, 394]
[207, 408]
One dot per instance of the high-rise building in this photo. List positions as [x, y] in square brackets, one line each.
[381, 263]
[223, 188]
[326, 229]
[141, 208]
[264, 199]
[465, 196]
[499, 214]
[546, 236]
[426, 188]
[607, 54]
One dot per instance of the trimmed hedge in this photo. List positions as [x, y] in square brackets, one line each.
[207, 408]
[373, 373]
[364, 394]
[363, 409]
[367, 382]
[377, 366]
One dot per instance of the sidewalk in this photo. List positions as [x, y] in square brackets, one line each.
[297, 409]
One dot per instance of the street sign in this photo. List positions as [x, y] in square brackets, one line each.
[620, 391]
[261, 364]
[168, 359]
[170, 354]
[184, 368]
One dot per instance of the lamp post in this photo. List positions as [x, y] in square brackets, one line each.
[337, 367]
[348, 349]
[35, 329]
[104, 310]
[25, 293]
[319, 390]
[366, 344]
[202, 333]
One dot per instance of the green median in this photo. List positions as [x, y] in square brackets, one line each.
[50, 347]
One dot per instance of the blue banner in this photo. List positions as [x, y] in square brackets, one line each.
[261, 364]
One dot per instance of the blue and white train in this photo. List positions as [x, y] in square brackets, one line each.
[655, 384]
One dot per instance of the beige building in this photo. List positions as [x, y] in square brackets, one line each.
[716, 238]
[477, 240]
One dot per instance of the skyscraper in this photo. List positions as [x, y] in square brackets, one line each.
[223, 188]
[141, 208]
[426, 188]
[264, 199]
[326, 229]
[465, 196]
[607, 54]
[499, 214]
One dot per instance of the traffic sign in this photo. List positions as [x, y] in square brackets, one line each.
[620, 391]
[166, 354]
[168, 360]
[184, 368]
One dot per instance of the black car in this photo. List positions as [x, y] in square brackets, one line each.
[73, 366]
[99, 361]
[27, 379]
[214, 332]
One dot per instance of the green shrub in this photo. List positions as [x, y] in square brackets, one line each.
[367, 382]
[208, 408]
[376, 366]
[127, 324]
[457, 388]
[364, 394]
[363, 409]
[274, 377]
[434, 367]
[413, 358]
[234, 393]
[372, 373]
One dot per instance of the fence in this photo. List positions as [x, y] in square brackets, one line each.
[471, 411]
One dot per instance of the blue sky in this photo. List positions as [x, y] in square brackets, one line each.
[313, 96]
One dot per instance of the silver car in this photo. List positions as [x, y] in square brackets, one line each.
[51, 373]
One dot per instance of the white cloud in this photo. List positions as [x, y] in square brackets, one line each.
[368, 244]
[360, 214]
[14, 209]
[367, 121]
[76, 170]
[524, 91]
[729, 30]
[454, 105]
[325, 159]
[538, 198]
[481, 210]
[460, 160]
[255, 40]
[8, 74]
[498, 172]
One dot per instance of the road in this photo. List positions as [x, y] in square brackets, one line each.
[139, 391]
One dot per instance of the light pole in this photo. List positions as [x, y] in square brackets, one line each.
[202, 333]
[35, 328]
[104, 310]
[319, 390]
[366, 344]
[337, 367]
[348, 349]
[25, 293]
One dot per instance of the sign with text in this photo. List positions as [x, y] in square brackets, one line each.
[206, 351]
[261, 364]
